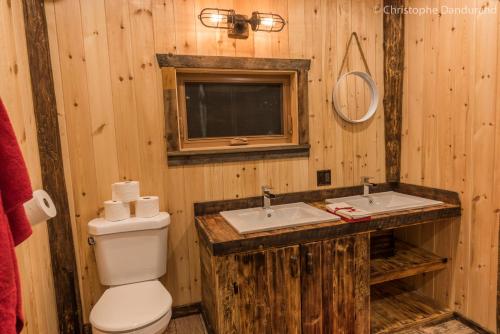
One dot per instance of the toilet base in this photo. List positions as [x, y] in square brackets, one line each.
[157, 327]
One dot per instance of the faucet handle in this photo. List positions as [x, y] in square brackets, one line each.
[366, 179]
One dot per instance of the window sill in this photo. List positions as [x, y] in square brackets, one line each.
[180, 158]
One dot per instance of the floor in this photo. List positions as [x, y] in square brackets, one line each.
[451, 326]
[193, 324]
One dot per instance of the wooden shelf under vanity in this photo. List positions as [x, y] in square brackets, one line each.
[407, 260]
[395, 307]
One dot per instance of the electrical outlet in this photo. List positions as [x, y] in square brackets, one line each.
[324, 178]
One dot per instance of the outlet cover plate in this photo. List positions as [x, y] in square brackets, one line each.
[324, 178]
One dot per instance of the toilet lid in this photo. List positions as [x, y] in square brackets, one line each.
[131, 306]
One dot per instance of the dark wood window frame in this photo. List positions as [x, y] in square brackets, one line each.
[179, 155]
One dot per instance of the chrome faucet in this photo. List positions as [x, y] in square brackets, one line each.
[267, 195]
[365, 181]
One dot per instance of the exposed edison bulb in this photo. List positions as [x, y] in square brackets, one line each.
[267, 21]
[216, 18]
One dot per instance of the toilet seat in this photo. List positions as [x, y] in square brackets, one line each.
[130, 307]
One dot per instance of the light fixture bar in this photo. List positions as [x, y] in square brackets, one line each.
[237, 24]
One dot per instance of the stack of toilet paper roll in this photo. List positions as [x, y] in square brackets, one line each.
[125, 193]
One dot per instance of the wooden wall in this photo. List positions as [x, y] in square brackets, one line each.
[451, 140]
[15, 90]
[110, 97]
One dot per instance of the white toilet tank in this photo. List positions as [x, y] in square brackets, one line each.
[130, 250]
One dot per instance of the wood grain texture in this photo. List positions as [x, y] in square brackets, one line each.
[312, 289]
[62, 249]
[394, 308]
[393, 82]
[382, 244]
[320, 287]
[407, 261]
[33, 255]
[224, 62]
[257, 292]
[335, 286]
[194, 324]
[186, 310]
[283, 267]
[451, 141]
[182, 158]
[128, 82]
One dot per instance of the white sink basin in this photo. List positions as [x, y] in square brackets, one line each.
[389, 201]
[279, 216]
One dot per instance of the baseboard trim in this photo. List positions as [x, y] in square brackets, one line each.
[185, 310]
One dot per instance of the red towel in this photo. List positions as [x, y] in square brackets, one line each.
[15, 189]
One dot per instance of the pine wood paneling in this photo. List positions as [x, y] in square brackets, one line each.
[15, 90]
[110, 91]
[450, 140]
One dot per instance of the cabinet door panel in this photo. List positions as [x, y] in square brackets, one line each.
[329, 284]
[335, 288]
[269, 291]
[254, 308]
[339, 290]
[362, 283]
[311, 288]
[284, 283]
[227, 295]
[346, 285]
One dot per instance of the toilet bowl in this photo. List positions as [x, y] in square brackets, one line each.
[131, 256]
[139, 308]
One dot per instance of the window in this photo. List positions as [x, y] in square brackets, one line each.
[220, 109]
[223, 109]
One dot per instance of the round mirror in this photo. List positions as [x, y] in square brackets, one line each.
[342, 94]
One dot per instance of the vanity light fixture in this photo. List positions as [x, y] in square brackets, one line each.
[237, 24]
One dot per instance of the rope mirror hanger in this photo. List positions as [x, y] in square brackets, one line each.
[366, 76]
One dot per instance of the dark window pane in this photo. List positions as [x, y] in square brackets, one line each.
[233, 109]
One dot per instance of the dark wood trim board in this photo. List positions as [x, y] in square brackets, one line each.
[62, 250]
[220, 62]
[179, 158]
[186, 310]
[394, 55]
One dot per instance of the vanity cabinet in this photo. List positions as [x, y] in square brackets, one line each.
[319, 287]
[329, 277]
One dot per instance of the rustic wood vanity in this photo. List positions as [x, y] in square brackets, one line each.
[331, 277]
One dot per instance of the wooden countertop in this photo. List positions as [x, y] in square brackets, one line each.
[220, 238]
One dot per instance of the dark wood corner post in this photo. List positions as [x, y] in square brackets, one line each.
[49, 145]
[394, 55]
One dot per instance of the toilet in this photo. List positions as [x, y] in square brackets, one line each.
[131, 255]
